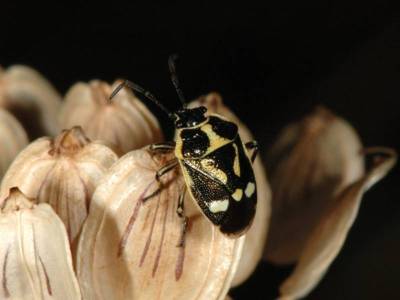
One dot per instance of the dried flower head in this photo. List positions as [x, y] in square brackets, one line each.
[311, 161]
[129, 248]
[318, 179]
[124, 121]
[326, 240]
[31, 99]
[12, 138]
[34, 266]
[62, 171]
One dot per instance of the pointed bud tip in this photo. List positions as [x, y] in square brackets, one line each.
[69, 141]
[101, 92]
[213, 101]
[318, 120]
[16, 200]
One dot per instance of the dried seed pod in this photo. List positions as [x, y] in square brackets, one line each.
[328, 237]
[124, 122]
[33, 265]
[309, 164]
[256, 236]
[128, 249]
[31, 99]
[63, 172]
[12, 137]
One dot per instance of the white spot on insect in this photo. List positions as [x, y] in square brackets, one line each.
[237, 195]
[250, 188]
[218, 206]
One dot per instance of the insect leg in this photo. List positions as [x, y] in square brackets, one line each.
[180, 211]
[162, 147]
[169, 166]
[253, 145]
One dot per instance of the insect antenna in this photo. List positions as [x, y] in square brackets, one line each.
[174, 78]
[141, 90]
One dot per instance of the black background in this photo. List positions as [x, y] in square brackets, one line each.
[272, 63]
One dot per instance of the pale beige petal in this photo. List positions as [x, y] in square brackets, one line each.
[128, 249]
[330, 233]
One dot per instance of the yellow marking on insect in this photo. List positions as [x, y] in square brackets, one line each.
[208, 165]
[236, 164]
[250, 188]
[218, 205]
[216, 141]
[178, 144]
[237, 195]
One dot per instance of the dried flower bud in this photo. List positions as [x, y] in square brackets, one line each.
[12, 138]
[31, 98]
[318, 179]
[309, 164]
[328, 237]
[128, 249]
[34, 266]
[63, 172]
[123, 121]
[256, 236]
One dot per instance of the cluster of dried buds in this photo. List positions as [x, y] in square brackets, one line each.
[74, 223]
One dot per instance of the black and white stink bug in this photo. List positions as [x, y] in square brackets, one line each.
[216, 165]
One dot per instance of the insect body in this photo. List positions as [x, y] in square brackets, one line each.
[216, 165]
[217, 169]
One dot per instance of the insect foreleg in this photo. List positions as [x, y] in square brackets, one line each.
[169, 166]
[252, 145]
[162, 147]
[180, 211]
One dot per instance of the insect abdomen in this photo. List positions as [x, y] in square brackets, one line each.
[223, 185]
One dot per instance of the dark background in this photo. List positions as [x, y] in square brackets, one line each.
[272, 63]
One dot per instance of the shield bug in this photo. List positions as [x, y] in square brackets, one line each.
[215, 163]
